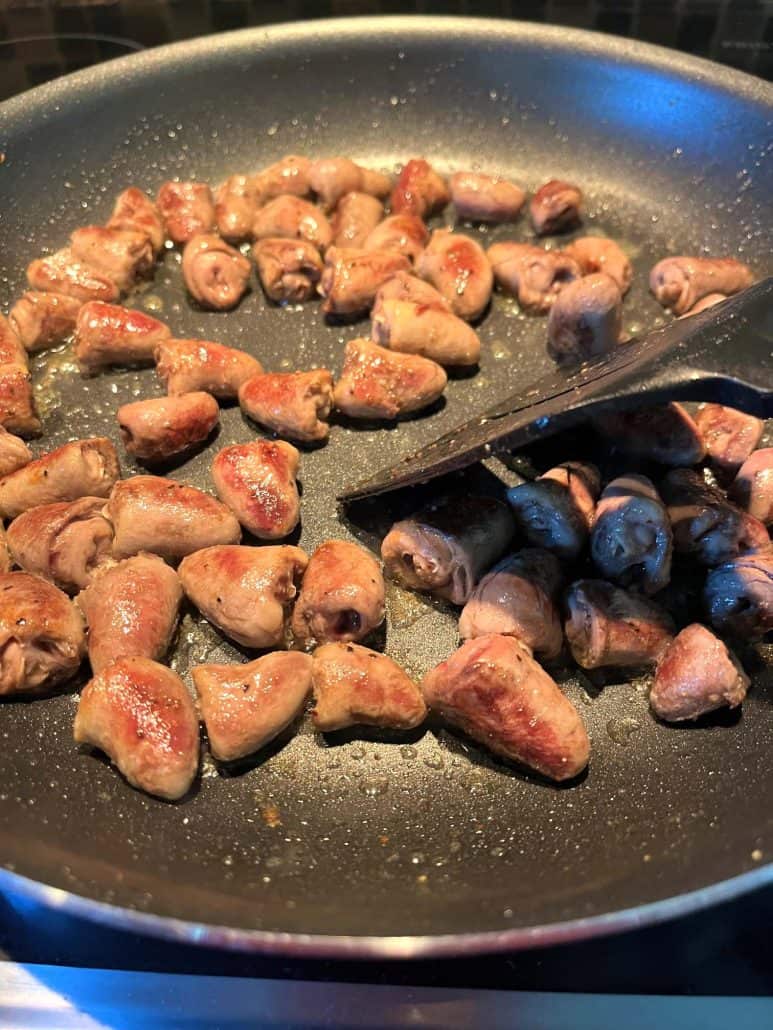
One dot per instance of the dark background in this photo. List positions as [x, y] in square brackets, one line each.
[41, 39]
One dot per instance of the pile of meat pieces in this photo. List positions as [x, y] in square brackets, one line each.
[103, 564]
[422, 290]
[525, 603]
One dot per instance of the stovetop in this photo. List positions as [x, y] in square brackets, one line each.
[722, 951]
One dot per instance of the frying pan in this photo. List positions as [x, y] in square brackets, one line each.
[368, 844]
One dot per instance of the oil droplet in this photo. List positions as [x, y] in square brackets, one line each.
[152, 302]
[434, 761]
[756, 855]
[621, 730]
[374, 786]
[408, 753]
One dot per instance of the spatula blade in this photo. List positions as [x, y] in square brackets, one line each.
[690, 358]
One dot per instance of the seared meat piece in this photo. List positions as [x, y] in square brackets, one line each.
[494, 690]
[215, 274]
[631, 538]
[12, 350]
[134, 211]
[517, 599]
[707, 525]
[236, 202]
[598, 254]
[17, 402]
[289, 270]
[665, 433]
[555, 511]
[679, 282]
[406, 286]
[257, 482]
[697, 674]
[187, 209]
[150, 513]
[555, 207]
[485, 198]
[5, 554]
[752, 488]
[456, 265]
[705, 302]
[41, 635]
[63, 542]
[405, 233]
[586, 319]
[376, 184]
[43, 320]
[419, 190]
[446, 548]
[608, 626]
[729, 436]
[14, 453]
[62, 272]
[245, 591]
[166, 427]
[355, 216]
[83, 468]
[377, 383]
[293, 219]
[739, 596]
[130, 608]
[352, 277]
[188, 366]
[108, 334]
[123, 255]
[293, 404]
[245, 706]
[342, 594]
[533, 275]
[333, 177]
[354, 686]
[290, 175]
[141, 715]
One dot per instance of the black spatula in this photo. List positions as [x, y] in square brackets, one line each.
[723, 354]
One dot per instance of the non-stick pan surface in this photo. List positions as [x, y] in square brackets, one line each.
[359, 844]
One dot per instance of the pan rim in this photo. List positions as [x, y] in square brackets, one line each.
[402, 27]
[371, 947]
[45, 100]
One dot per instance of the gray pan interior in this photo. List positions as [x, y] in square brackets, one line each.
[361, 844]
